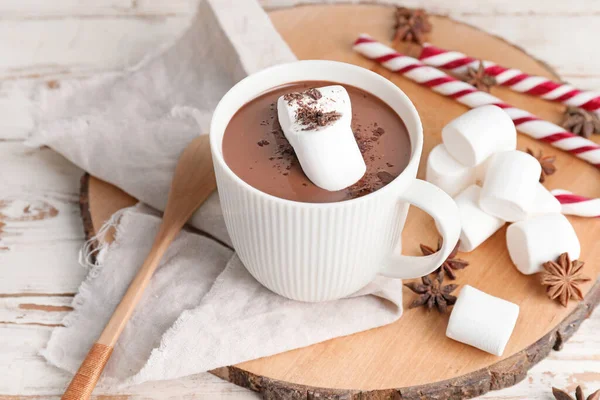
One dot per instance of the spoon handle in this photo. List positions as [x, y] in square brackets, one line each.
[193, 182]
[83, 383]
[91, 368]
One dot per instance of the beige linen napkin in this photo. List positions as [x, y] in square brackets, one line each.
[202, 309]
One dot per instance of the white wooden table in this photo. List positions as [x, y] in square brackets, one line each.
[40, 228]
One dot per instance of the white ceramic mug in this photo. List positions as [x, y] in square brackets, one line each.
[325, 251]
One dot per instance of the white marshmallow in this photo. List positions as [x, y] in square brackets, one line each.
[479, 133]
[483, 321]
[329, 155]
[543, 238]
[544, 202]
[447, 173]
[477, 226]
[510, 185]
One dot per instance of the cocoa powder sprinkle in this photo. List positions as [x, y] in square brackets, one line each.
[313, 117]
[263, 142]
[378, 131]
[314, 93]
[308, 113]
[290, 97]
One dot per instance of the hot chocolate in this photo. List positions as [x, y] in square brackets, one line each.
[256, 150]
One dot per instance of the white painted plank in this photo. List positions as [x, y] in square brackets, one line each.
[201, 386]
[43, 9]
[33, 263]
[88, 45]
[16, 112]
[38, 172]
[62, 8]
[44, 310]
[24, 372]
[41, 231]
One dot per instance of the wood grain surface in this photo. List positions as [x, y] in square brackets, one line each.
[46, 42]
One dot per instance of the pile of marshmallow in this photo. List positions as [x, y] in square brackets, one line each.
[493, 183]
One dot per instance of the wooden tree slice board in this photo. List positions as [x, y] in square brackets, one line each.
[412, 358]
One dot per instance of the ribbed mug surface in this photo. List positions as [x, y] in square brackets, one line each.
[309, 251]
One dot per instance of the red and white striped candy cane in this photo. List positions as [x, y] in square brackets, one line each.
[513, 78]
[442, 83]
[573, 204]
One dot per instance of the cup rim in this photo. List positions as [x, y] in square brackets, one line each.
[217, 154]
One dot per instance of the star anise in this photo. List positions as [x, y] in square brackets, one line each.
[581, 122]
[562, 395]
[451, 262]
[411, 25]
[547, 163]
[432, 293]
[479, 78]
[563, 278]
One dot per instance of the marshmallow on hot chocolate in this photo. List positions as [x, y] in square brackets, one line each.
[447, 173]
[317, 125]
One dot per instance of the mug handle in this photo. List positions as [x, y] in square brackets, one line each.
[439, 205]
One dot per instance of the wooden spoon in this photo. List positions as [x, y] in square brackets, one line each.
[193, 182]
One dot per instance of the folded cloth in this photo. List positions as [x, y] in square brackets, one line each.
[202, 309]
[129, 129]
